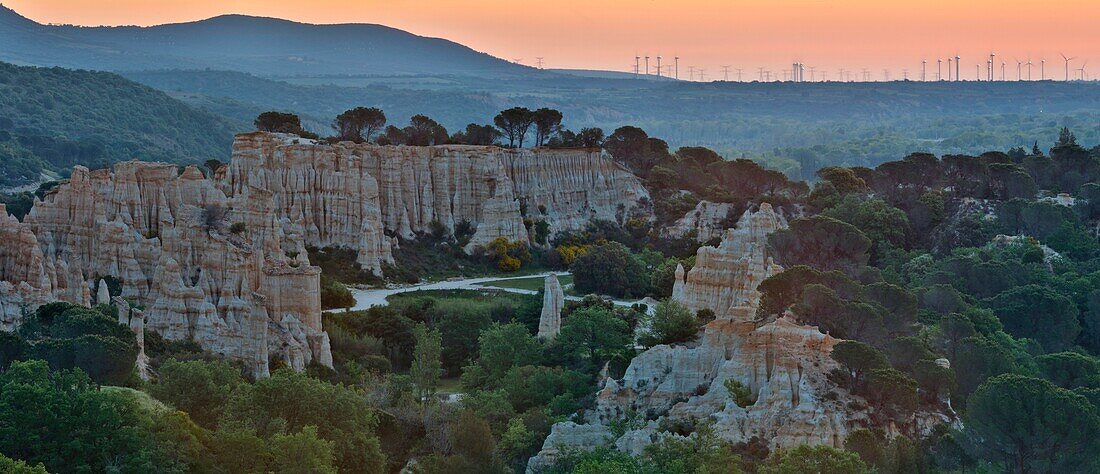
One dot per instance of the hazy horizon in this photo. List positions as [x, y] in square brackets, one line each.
[704, 33]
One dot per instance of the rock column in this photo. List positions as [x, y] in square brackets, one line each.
[553, 299]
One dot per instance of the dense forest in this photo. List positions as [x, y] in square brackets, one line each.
[52, 119]
[990, 262]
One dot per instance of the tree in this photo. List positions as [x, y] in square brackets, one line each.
[634, 148]
[70, 336]
[591, 336]
[12, 466]
[303, 452]
[702, 453]
[892, 392]
[288, 401]
[547, 122]
[504, 346]
[877, 220]
[359, 124]
[1039, 313]
[278, 122]
[60, 419]
[475, 134]
[979, 359]
[198, 387]
[1069, 370]
[514, 123]
[610, 269]
[423, 131]
[672, 323]
[822, 243]
[858, 359]
[590, 137]
[817, 459]
[426, 367]
[1031, 425]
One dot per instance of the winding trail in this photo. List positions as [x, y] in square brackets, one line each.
[368, 297]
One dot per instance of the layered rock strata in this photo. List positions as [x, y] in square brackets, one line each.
[222, 270]
[783, 364]
[553, 300]
[724, 278]
[353, 195]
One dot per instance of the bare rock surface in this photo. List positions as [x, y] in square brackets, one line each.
[353, 195]
[218, 269]
[724, 278]
[553, 300]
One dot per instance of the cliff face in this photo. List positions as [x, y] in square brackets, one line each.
[208, 267]
[353, 195]
[783, 364]
[724, 278]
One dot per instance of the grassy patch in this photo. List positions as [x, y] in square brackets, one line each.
[535, 283]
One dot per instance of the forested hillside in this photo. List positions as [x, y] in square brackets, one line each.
[51, 119]
[796, 128]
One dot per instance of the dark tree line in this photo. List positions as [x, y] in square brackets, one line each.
[514, 125]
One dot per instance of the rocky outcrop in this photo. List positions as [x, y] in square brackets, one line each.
[27, 278]
[553, 300]
[708, 221]
[353, 195]
[222, 270]
[724, 278]
[784, 365]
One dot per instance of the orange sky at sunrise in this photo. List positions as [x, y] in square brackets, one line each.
[606, 34]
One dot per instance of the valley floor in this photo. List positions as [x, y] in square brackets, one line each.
[368, 297]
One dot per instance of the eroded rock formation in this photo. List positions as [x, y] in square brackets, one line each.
[222, 270]
[553, 300]
[724, 278]
[783, 364]
[223, 261]
[353, 195]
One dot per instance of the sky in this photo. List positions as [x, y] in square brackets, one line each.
[747, 34]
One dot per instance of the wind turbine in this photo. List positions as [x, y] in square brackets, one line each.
[939, 69]
[948, 68]
[676, 71]
[1043, 69]
[658, 65]
[958, 70]
[1019, 70]
[1082, 69]
[923, 66]
[1067, 64]
[1029, 68]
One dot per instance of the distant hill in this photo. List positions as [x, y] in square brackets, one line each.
[263, 46]
[53, 118]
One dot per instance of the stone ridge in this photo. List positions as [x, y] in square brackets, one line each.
[353, 195]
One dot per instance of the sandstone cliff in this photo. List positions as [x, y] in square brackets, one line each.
[221, 270]
[353, 195]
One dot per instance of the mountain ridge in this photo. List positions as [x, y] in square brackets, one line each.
[258, 45]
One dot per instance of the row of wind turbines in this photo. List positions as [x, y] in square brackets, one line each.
[797, 73]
